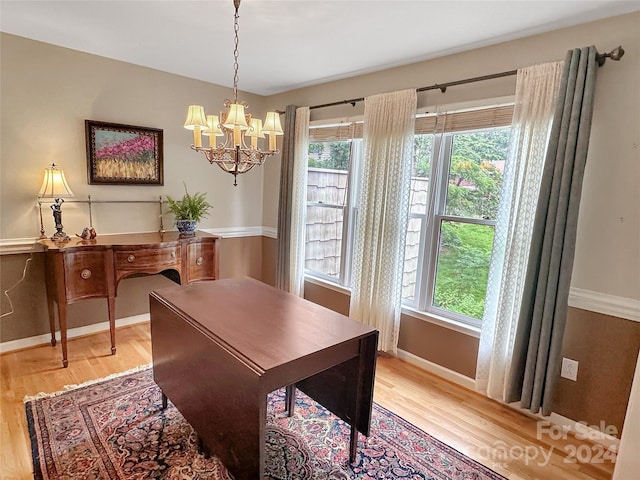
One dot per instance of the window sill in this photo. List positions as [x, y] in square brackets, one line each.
[427, 317]
[321, 282]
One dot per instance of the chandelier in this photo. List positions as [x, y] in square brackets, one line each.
[232, 154]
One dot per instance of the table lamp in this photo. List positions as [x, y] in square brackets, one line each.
[55, 186]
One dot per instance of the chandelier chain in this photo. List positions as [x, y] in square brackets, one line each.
[236, 28]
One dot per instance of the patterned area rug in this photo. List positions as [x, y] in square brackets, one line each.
[116, 429]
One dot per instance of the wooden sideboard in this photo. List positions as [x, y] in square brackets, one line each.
[82, 269]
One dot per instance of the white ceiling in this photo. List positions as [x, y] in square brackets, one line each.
[289, 44]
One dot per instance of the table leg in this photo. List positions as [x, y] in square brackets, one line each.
[202, 448]
[164, 401]
[353, 444]
[290, 399]
[111, 307]
[62, 318]
[52, 319]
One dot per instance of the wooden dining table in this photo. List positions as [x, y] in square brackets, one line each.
[220, 347]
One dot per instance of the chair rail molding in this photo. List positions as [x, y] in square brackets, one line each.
[606, 304]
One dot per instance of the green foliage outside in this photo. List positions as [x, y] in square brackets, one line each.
[330, 155]
[473, 191]
[474, 178]
[463, 268]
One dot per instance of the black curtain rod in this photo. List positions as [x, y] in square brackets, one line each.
[615, 54]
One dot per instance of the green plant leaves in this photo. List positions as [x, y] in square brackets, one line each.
[190, 207]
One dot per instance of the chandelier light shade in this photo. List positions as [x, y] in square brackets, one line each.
[272, 127]
[54, 185]
[255, 132]
[233, 155]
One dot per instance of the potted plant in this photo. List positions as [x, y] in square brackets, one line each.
[189, 210]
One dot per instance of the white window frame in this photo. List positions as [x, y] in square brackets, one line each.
[421, 307]
[431, 220]
[349, 218]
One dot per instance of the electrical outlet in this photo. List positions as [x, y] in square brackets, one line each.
[569, 369]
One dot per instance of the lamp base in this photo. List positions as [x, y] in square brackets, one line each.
[60, 236]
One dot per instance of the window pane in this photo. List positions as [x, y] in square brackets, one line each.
[418, 200]
[323, 247]
[411, 257]
[464, 254]
[422, 147]
[330, 155]
[475, 173]
[327, 188]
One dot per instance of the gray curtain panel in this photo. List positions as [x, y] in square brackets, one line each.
[284, 203]
[538, 343]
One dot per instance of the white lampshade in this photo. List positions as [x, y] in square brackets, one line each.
[195, 118]
[54, 185]
[213, 126]
[236, 117]
[272, 124]
[256, 129]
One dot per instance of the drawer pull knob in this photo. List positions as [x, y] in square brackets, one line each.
[199, 261]
[86, 274]
[131, 258]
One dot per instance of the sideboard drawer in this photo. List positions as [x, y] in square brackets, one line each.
[145, 260]
[201, 258]
[85, 275]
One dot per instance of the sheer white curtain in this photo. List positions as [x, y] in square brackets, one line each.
[536, 91]
[299, 202]
[382, 217]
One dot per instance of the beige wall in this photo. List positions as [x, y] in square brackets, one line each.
[606, 349]
[269, 259]
[608, 246]
[48, 92]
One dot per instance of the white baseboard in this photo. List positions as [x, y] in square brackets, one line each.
[568, 425]
[71, 333]
[436, 369]
[592, 434]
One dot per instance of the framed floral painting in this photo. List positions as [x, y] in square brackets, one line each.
[123, 154]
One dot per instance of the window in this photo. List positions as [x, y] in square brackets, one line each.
[449, 244]
[455, 193]
[330, 210]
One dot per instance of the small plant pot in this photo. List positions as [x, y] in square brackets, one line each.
[186, 227]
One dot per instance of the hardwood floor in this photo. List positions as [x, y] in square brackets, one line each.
[476, 426]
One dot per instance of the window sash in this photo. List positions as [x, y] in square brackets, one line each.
[433, 218]
[443, 126]
[432, 307]
[349, 215]
[340, 250]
